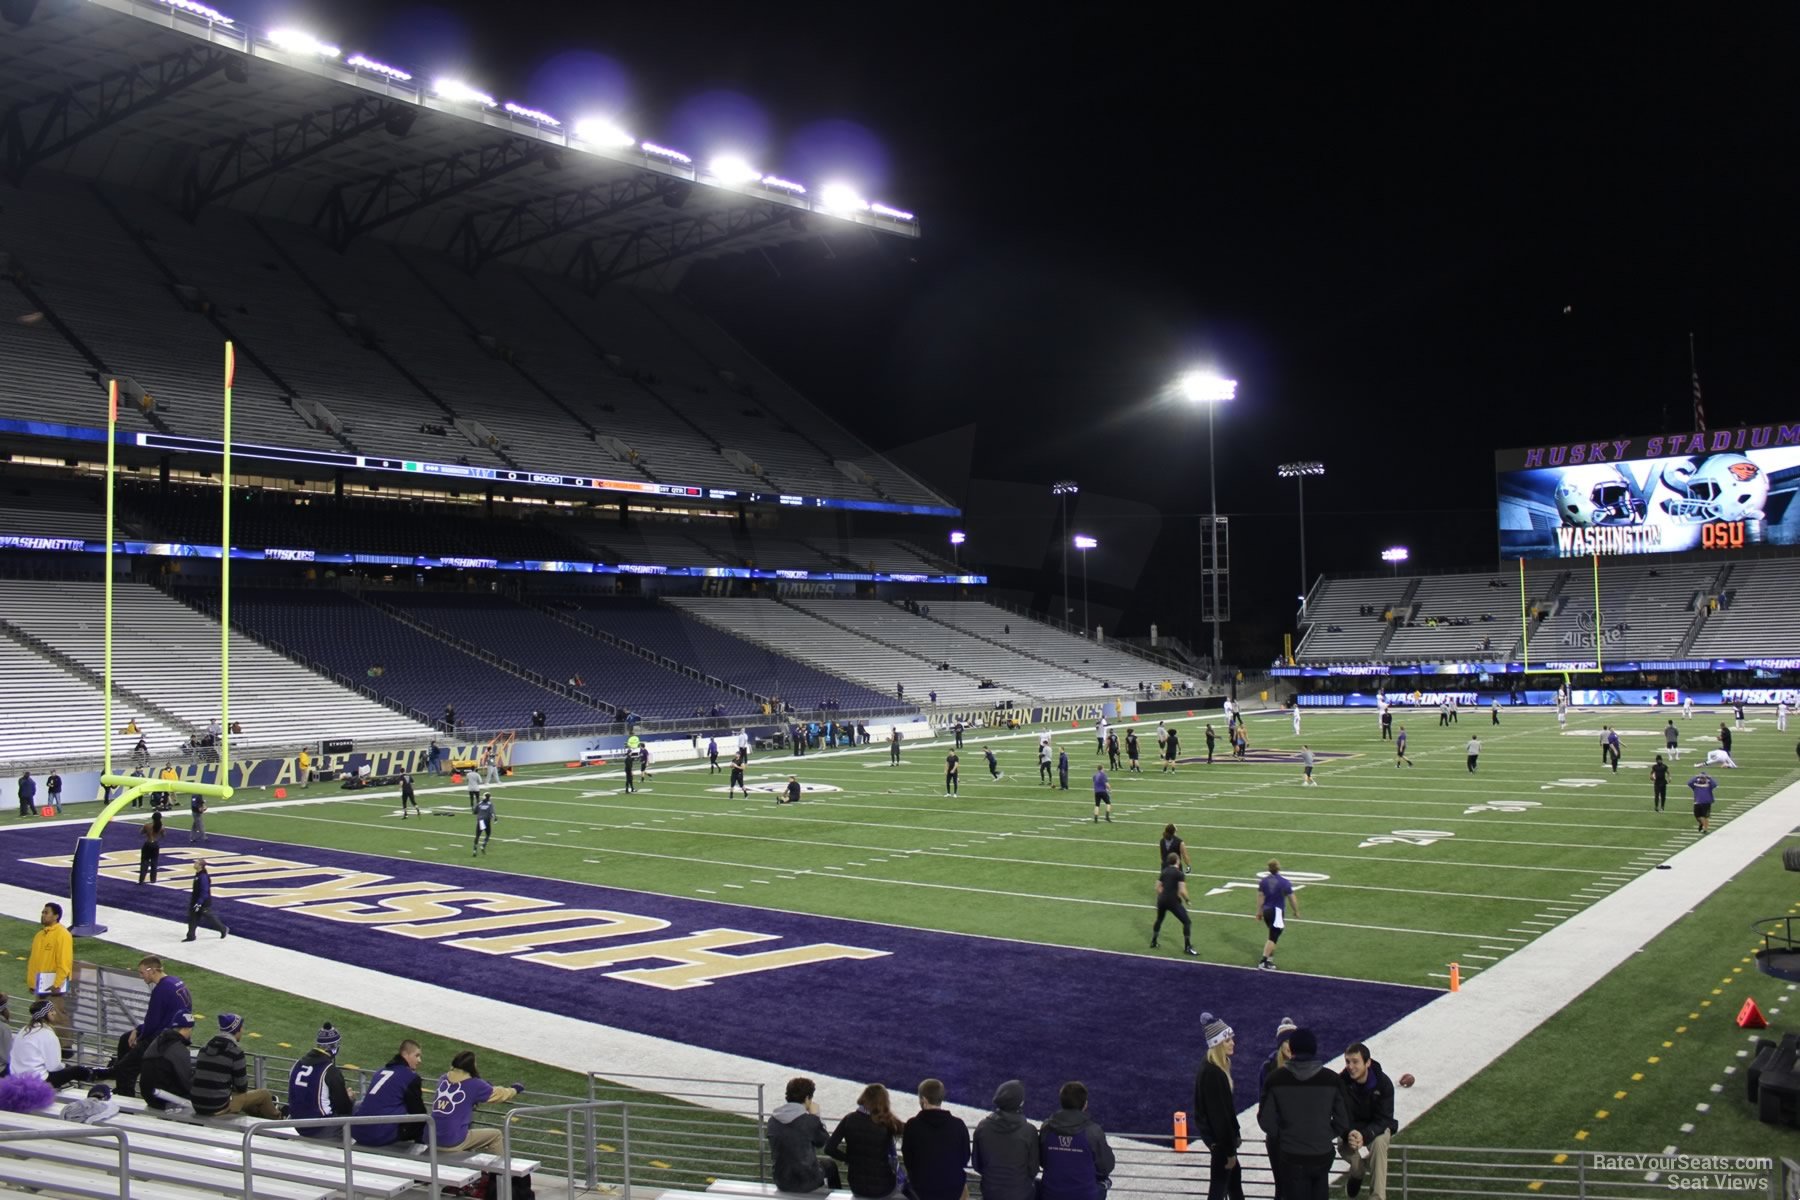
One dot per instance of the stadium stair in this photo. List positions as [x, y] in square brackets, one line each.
[1022, 653]
[465, 646]
[661, 660]
[1406, 602]
[207, 311]
[373, 344]
[863, 633]
[101, 370]
[1702, 610]
[93, 678]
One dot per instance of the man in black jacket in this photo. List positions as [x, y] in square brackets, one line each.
[1304, 1109]
[1006, 1147]
[795, 1136]
[1370, 1095]
[935, 1148]
[169, 1063]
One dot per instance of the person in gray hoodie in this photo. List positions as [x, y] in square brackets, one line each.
[1006, 1147]
[1305, 1111]
[796, 1135]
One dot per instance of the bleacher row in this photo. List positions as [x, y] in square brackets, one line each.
[47, 507]
[381, 666]
[398, 347]
[1648, 611]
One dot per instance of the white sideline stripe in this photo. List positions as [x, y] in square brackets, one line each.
[1466, 1031]
[453, 1015]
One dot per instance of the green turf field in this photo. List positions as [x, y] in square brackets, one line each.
[1401, 871]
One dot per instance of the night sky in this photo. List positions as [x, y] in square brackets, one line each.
[1414, 235]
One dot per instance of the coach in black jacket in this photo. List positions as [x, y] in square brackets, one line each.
[1304, 1109]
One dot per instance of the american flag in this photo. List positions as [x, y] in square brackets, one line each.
[1699, 401]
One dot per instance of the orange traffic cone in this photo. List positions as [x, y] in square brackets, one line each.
[1750, 1016]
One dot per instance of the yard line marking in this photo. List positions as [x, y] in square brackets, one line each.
[1484, 957]
[738, 886]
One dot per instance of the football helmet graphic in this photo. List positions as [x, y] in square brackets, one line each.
[1723, 487]
[1597, 494]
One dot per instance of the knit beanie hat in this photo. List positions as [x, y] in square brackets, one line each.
[328, 1038]
[230, 1023]
[1010, 1096]
[1285, 1029]
[1217, 1032]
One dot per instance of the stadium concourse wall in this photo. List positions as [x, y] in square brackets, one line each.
[83, 787]
[1580, 697]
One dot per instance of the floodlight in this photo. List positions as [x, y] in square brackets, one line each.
[603, 132]
[841, 198]
[657, 151]
[531, 114]
[732, 168]
[1083, 542]
[1298, 469]
[298, 41]
[1395, 554]
[892, 214]
[362, 62]
[958, 537]
[200, 10]
[1207, 387]
[783, 185]
[456, 91]
[1064, 487]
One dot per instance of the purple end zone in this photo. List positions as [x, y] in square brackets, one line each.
[972, 1011]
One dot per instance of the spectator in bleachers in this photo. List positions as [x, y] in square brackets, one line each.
[1005, 1147]
[459, 1090]
[935, 1148]
[316, 1086]
[1076, 1162]
[864, 1142]
[796, 1135]
[1215, 1112]
[168, 1063]
[221, 1084]
[1372, 1125]
[36, 1052]
[6, 1031]
[1304, 1109]
[396, 1092]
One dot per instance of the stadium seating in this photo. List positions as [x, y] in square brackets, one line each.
[1761, 615]
[1488, 601]
[560, 652]
[65, 714]
[1095, 661]
[417, 670]
[41, 507]
[398, 346]
[168, 653]
[668, 631]
[882, 645]
[1340, 631]
[1647, 609]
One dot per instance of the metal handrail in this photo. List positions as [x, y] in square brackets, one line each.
[344, 1124]
[590, 1107]
[87, 1131]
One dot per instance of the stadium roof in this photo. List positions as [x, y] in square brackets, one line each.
[155, 95]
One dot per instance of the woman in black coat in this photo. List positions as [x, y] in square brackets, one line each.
[864, 1142]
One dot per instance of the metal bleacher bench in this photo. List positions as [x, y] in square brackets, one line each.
[737, 1187]
[284, 1154]
[211, 1171]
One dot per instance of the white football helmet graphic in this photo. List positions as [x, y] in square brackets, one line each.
[1597, 494]
[1724, 487]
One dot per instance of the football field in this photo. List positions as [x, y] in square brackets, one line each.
[1399, 870]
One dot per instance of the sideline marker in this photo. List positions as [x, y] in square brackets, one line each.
[1750, 1016]
[1455, 977]
[1181, 1138]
